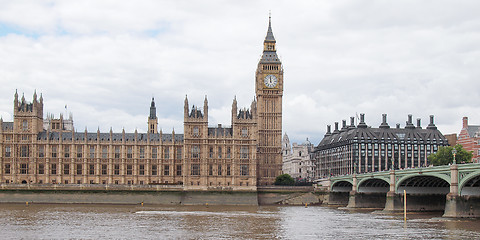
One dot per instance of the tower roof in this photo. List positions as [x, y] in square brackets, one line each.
[270, 37]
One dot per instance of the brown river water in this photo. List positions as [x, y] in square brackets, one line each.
[78, 221]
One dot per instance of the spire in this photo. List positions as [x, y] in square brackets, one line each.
[270, 37]
[153, 110]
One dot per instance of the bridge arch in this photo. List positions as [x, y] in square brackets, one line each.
[470, 184]
[342, 186]
[424, 184]
[373, 185]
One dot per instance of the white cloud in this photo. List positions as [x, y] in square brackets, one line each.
[106, 59]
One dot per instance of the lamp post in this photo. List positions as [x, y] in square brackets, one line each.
[454, 152]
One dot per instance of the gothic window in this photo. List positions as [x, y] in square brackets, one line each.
[53, 169]
[54, 151]
[167, 153]
[92, 151]
[129, 169]
[196, 131]
[23, 168]
[104, 152]
[195, 151]
[142, 152]
[141, 169]
[91, 169]
[210, 169]
[66, 169]
[116, 169]
[25, 125]
[179, 170]
[166, 170]
[219, 170]
[104, 169]
[41, 151]
[24, 151]
[129, 152]
[244, 152]
[7, 168]
[229, 152]
[244, 132]
[79, 151]
[154, 170]
[195, 169]
[154, 152]
[210, 152]
[219, 152]
[41, 168]
[179, 152]
[228, 170]
[244, 170]
[8, 151]
[66, 150]
[79, 169]
[117, 152]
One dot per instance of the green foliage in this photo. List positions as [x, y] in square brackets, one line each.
[444, 156]
[284, 180]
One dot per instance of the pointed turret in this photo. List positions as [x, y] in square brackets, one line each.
[185, 107]
[205, 108]
[269, 37]
[153, 110]
[234, 108]
[269, 49]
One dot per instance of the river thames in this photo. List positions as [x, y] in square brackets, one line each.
[76, 221]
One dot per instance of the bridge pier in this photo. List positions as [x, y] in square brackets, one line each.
[457, 206]
[392, 202]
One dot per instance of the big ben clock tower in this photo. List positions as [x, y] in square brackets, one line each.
[269, 92]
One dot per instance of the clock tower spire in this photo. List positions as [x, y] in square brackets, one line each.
[269, 92]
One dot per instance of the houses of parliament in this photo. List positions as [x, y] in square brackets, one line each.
[38, 150]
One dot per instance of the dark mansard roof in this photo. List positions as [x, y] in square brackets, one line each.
[220, 131]
[386, 135]
[92, 136]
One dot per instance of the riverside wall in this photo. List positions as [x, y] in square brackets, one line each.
[156, 194]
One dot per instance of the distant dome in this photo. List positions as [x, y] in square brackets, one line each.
[306, 143]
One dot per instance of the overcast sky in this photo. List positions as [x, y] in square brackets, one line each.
[106, 59]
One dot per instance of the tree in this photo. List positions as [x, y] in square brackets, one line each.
[284, 180]
[444, 155]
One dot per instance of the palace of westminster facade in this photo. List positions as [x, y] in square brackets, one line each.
[35, 150]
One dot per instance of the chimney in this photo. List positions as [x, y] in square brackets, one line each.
[398, 125]
[336, 128]
[352, 122]
[409, 124]
[384, 121]
[344, 125]
[328, 131]
[432, 124]
[419, 123]
[362, 123]
[465, 122]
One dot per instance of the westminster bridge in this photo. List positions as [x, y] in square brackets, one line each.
[454, 189]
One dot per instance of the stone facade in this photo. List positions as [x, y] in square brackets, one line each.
[298, 160]
[469, 138]
[364, 149]
[238, 157]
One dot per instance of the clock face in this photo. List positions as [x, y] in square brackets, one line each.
[270, 81]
